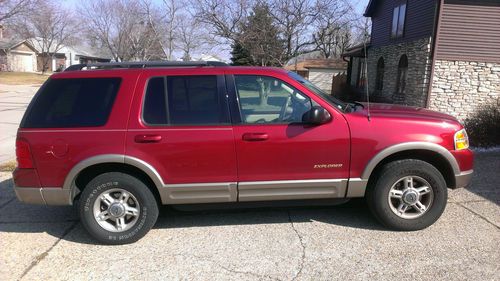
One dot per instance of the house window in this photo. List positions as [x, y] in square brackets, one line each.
[402, 73]
[361, 82]
[379, 82]
[398, 21]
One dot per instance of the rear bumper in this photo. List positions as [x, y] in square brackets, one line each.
[463, 179]
[44, 196]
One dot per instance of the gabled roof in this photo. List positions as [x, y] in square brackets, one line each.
[7, 44]
[370, 8]
[83, 51]
[356, 50]
[38, 44]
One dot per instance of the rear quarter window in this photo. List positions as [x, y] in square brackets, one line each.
[73, 102]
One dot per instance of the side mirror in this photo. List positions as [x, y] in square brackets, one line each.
[317, 116]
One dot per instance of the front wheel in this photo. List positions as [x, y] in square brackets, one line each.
[117, 208]
[408, 195]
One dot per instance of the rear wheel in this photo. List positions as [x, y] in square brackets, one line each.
[117, 208]
[408, 195]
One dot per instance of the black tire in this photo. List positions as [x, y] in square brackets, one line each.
[378, 192]
[106, 182]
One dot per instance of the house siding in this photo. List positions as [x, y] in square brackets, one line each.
[469, 32]
[323, 77]
[419, 21]
[466, 74]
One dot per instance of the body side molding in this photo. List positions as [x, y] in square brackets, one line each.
[291, 189]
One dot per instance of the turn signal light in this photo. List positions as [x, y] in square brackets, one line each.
[461, 140]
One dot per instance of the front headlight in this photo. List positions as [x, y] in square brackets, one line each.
[461, 140]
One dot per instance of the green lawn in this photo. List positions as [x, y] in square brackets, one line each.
[22, 78]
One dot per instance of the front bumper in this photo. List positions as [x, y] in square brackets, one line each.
[44, 196]
[463, 179]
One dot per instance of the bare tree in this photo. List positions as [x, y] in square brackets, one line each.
[124, 28]
[331, 28]
[49, 30]
[225, 17]
[190, 37]
[155, 21]
[12, 8]
[294, 18]
[172, 22]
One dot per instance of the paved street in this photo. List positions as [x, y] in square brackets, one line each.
[14, 100]
[303, 243]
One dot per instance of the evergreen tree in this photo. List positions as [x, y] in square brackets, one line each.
[258, 42]
[240, 55]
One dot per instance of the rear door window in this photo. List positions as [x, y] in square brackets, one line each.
[73, 102]
[184, 100]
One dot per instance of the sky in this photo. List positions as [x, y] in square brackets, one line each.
[358, 5]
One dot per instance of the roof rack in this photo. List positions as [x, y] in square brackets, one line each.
[143, 64]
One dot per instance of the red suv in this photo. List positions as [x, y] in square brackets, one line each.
[120, 139]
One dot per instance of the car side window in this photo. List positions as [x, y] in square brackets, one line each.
[268, 100]
[184, 100]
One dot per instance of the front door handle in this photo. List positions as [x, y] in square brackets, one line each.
[147, 138]
[255, 137]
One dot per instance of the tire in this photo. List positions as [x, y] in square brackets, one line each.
[117, 208]
[391, 197]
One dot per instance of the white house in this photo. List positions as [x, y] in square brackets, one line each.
[17, 55]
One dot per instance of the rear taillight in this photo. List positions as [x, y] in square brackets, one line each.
[23, 154]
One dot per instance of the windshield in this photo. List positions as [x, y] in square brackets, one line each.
[328, 98]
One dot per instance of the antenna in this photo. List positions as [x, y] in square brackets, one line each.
[366, 72]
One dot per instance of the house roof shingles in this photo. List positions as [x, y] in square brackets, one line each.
[6, 44]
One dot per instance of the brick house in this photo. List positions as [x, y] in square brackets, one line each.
[440, 54]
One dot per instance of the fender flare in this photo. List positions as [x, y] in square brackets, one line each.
[69, 182]
[429, 146]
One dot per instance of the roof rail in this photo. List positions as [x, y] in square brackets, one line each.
[143, 64]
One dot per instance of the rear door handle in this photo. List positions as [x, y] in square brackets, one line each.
[255, 137]
[147, 138]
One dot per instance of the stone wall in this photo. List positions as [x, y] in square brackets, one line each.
[419, 68]
[459, 87]
[3, 61]
[354, 70]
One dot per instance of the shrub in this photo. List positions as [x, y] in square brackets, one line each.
[483, 127]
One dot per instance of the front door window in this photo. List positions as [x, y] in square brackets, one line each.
[268, 100]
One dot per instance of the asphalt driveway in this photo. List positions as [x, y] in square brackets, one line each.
[286, 243]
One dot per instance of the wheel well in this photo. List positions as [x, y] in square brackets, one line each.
[431, 157]
[87, 174]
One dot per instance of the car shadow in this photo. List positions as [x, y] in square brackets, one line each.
[16, 217]
[63, 222]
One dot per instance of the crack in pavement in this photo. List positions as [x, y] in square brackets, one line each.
[259, 276]
[477, 214]
[303, 257]
[42, 256]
